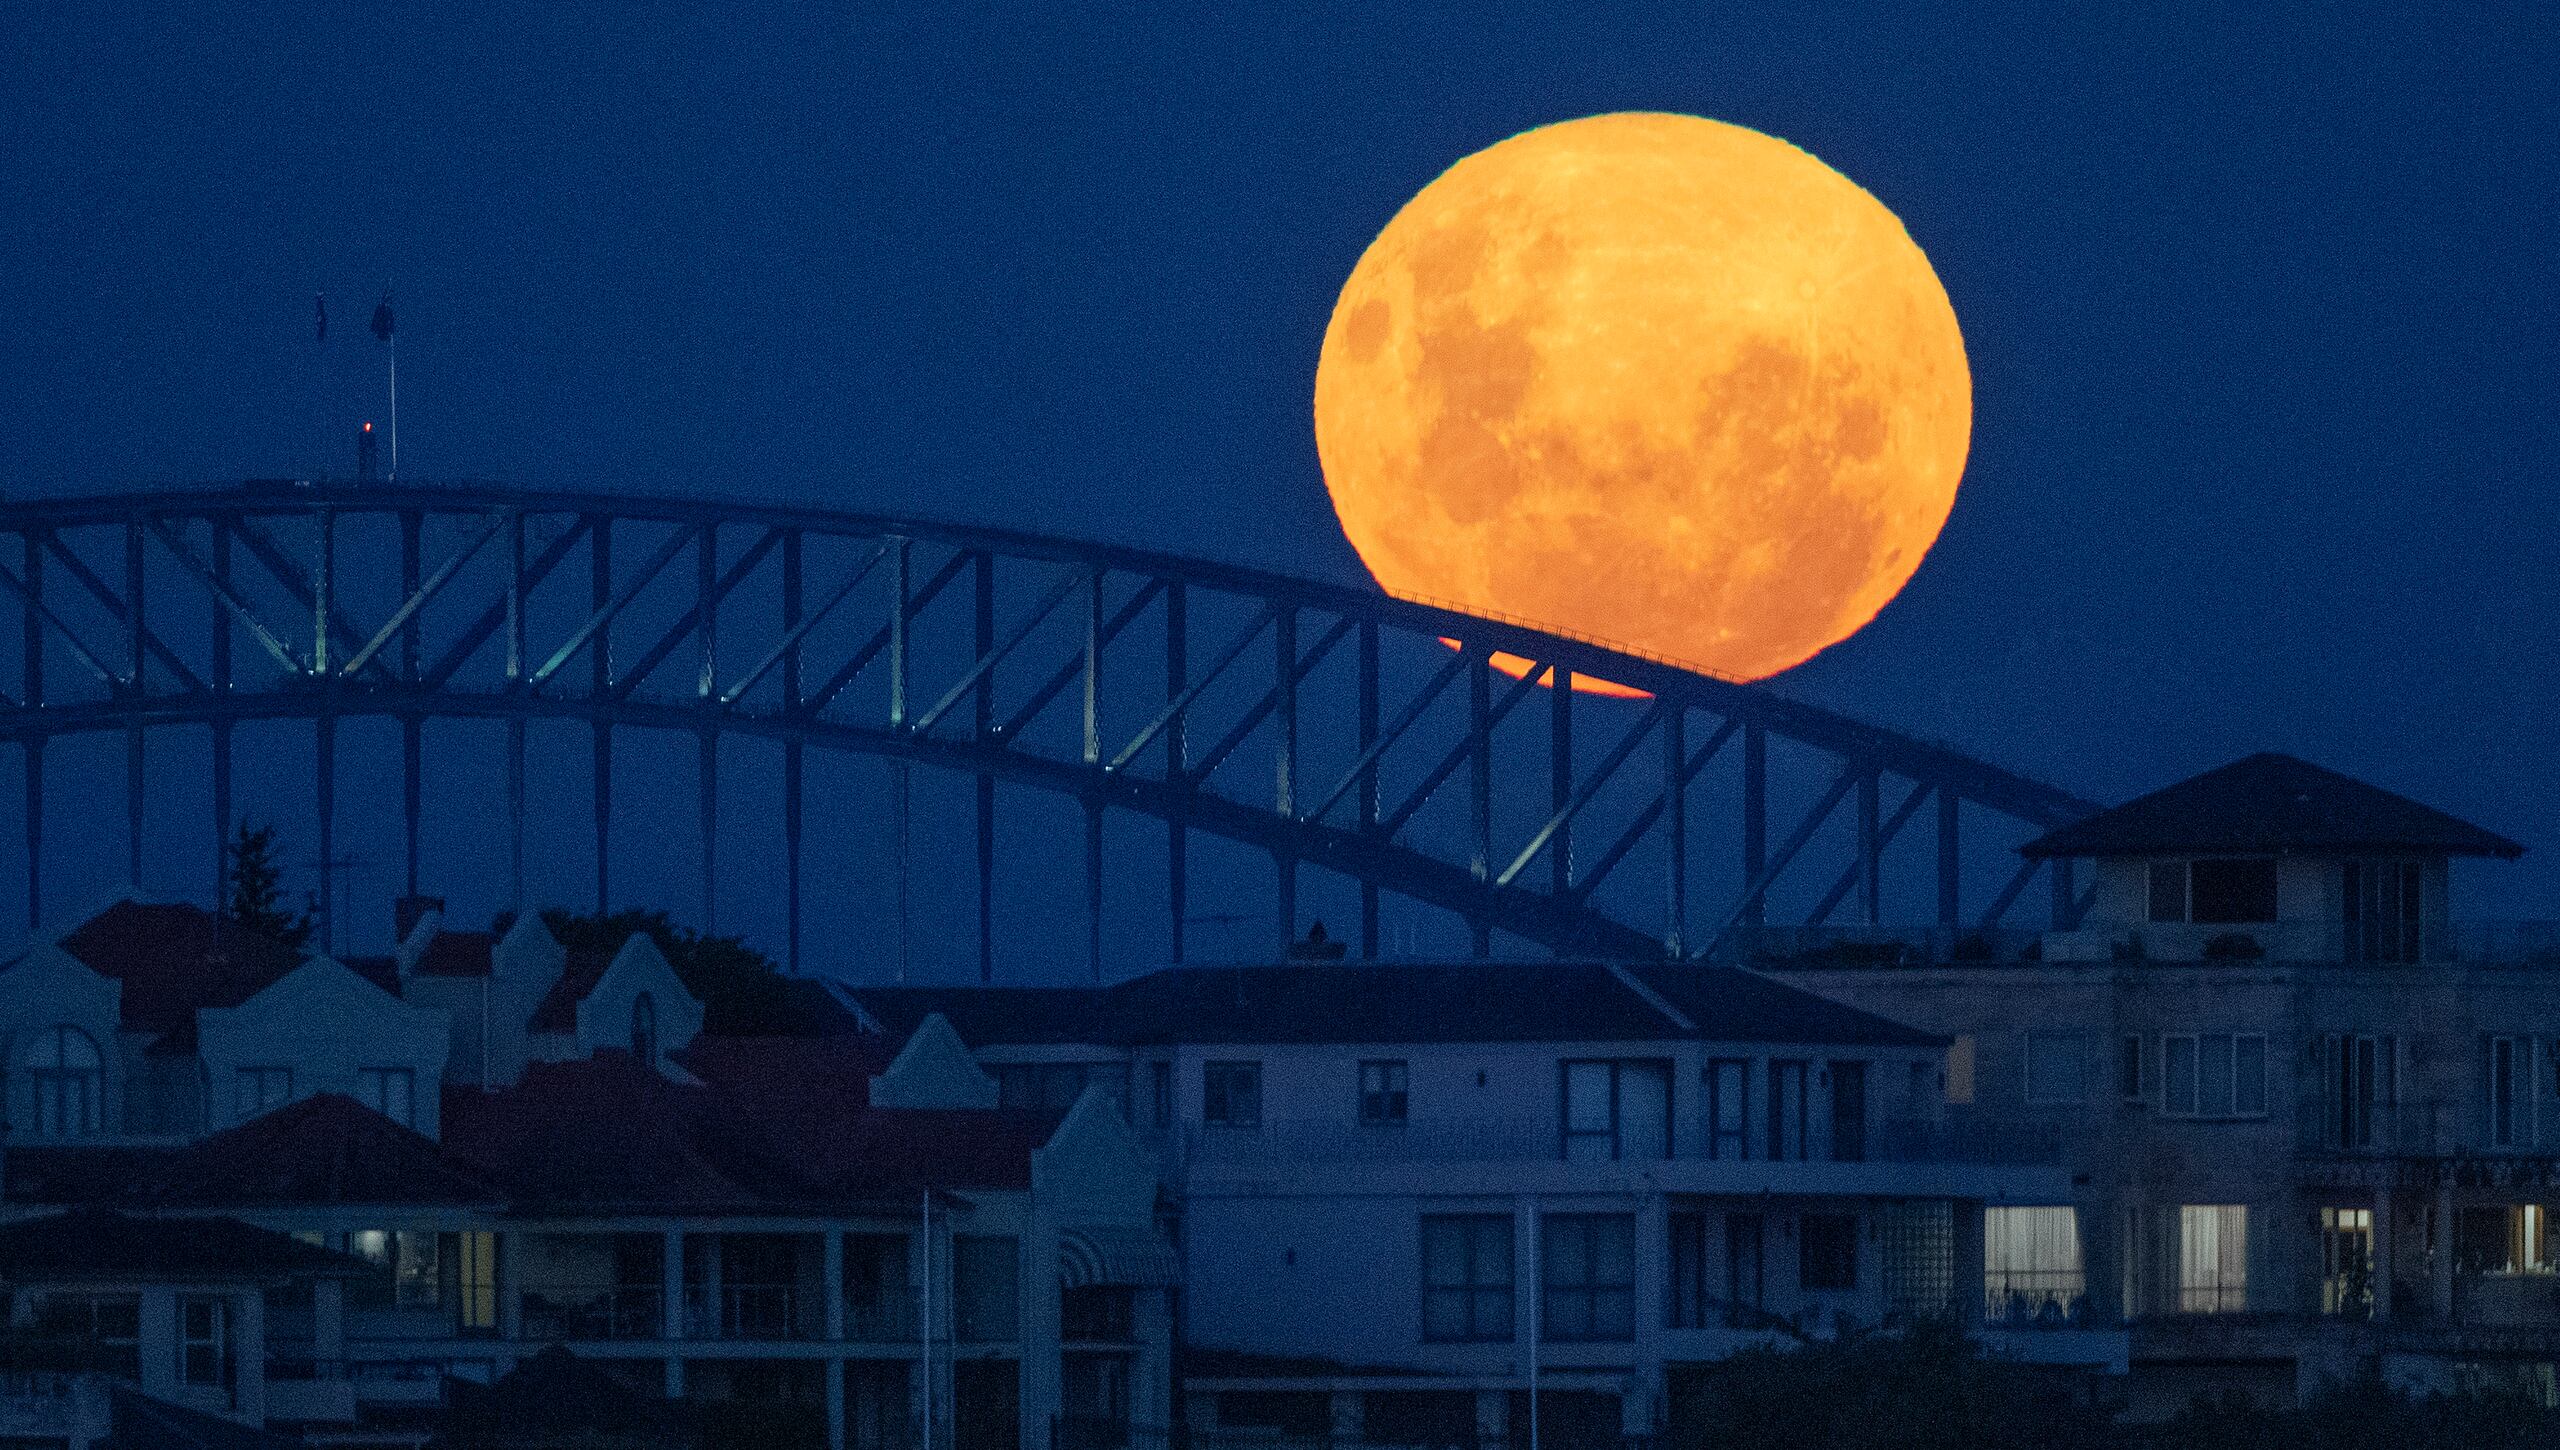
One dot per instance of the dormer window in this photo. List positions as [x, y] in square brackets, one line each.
[644, 1030]
[67, 1084]
[2214, 890]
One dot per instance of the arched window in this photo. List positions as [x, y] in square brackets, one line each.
[644, 1030]
[67, 1082]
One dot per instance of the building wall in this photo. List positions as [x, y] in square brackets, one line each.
[327, 1025]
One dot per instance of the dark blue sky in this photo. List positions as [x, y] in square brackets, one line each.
[2260, 302]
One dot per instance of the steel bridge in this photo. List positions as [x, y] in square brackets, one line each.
[1320, 727]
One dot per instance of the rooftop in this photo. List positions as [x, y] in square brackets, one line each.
[93, 1244]
[2271, 804]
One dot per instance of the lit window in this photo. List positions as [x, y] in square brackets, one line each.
[476, 1281]
[2032, 1272]
[2213, 1258]
[67, 1083]
[1382, 1092]
[2346, 1262]
[390, 1091]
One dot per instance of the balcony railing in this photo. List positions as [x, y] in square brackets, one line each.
[2425, 1128]
[1512, 1140]
[573, 1311]
[2036, 1299]
[749, 1311]
[2484, 943]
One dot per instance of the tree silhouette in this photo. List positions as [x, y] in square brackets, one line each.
[253, 892]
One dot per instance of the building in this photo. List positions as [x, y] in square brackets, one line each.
[1407, 1194]
[2313, 1121]
[485, 1147]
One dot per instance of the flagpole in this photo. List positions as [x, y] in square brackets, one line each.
[395, 408]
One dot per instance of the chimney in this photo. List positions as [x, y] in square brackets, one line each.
[408, 911]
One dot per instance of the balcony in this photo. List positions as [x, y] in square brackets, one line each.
[750, 1311]
[2424, 1128]
[1325, 1141]
[556, 1312]
[309, 1391]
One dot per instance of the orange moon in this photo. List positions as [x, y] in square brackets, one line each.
[1653, 380]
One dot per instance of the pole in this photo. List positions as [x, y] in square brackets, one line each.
[395, 409]
[1537, 1305]
[924, 1338]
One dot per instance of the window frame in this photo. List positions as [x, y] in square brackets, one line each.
[1385, 1104]
[373, 1089]
[1790, 1078]
[1718, 1137]
[206, 1360]
[243, 1109]
[1473, 1231]
[55, 1081]
[1592, 1291]
[1217, 1083]
[2134, 1074]
[1616, 1132]
[2195, 1076]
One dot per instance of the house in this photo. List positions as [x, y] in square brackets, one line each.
[490, 1147]
[1416, 1199]
[2312, 1117]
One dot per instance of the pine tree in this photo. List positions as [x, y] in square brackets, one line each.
[254, 894]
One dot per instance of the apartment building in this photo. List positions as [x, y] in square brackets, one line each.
[2313, 1121]
[1415, 1201]
[486, 1147]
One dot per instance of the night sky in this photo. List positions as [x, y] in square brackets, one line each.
[2261, 303]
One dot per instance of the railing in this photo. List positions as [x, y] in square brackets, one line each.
[572, 1311]
[2036, 1299]
[303, 1368]
[1993, 1141]
[1808, 948]
[2507, 1300]
[889, 1320]
[748, 1311]
[2425, 1127]
[1813, 948]
[1334, 1141]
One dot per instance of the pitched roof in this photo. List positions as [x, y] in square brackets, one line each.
[176, 958]
[2271, 804]
[556, 1398]
[99, 1243]
[598, 1133]
[322, 1149]
[458, 954]
[139, 1422]
[558, 1009]
[63, 1173]
[1333, 1002]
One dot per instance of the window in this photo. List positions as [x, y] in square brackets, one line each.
[417, 1282]
[1848, 1112]
[66, 1082]
[204, 1341]
[1685, 1307]
[1916, 1258]
[2213, 1258]
[1960, 1069]
[2214, 1075]
[2057, 1067]
[1160, 1083]
[257, 1089]
[475, 1300]
[986, 1294]
[644, 1029]
[2232, 891]
[1466, 1277]
[1827, 1251]
[2168, 890]
[1745, 1281]
[2502, 1238]
[113, 1322]
[1615, 1110]
[1729, 1109]
[2384, 909]
[2346, 1262]
[2130, 1079]
[2506, 1064]
[1786, 1111]
[2362, 1074]
[1231, 1094]
[1587, 1275]
[1382, 1092]
[390, 1091]
[2031, 1268]
[1098, 1313]
[1039, 1086]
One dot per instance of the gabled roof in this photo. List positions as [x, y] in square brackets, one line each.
[558, 1009]
[1336, 1002]
[321, 1149]
[101, 1244]
[599, 1133]
[174, 959]
[66, 1173]
[457, 954]
[2271, 804]
[143, 1423]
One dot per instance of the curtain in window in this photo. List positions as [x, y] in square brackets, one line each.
[2213, 1258]
[2031, 1263]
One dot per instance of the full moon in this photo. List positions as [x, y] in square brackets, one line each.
[1653, 380]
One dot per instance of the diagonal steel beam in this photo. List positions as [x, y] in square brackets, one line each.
[1848, 881]
[1583, 793]
[79, 649]
[1174, 707]
[782, 648]
[280, 564]
[987, 660]
[229, 598]
[678, 632]
[871, 648]
[1652, 811]
[114, 604]
[418, 597]
[1431, 690]
[1073, 670]
[1270, 701]
[2008, 896]
[510, 605]
[1458, 754]
[1758, 887]
[630, 590]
